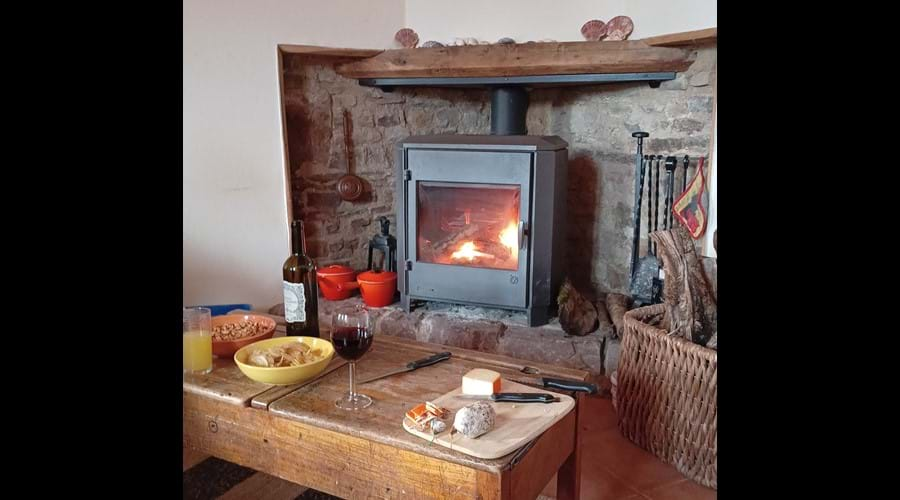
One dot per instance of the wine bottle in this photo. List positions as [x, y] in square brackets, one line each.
[301, 308]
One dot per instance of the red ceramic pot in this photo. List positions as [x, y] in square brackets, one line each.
[377, 287]
[336, 282]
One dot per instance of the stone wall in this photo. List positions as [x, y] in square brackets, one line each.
[596, 121]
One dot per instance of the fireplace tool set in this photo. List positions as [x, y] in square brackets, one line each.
[646, 274]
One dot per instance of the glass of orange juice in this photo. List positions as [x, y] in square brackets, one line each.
[197, 340]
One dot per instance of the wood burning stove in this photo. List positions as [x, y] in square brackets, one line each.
[482, 220]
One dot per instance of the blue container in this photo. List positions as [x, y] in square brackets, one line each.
[222, 309]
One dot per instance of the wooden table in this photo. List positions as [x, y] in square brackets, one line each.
[297, 434]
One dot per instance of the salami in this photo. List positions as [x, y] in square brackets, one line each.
[407, 38]
[593, 30]
[618, 28]
[475, 419]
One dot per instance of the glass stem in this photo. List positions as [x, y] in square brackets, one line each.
[352, 380]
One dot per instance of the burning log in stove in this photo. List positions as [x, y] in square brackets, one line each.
[478, 244]
[455, 240]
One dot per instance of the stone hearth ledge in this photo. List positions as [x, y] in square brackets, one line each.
[494, 331]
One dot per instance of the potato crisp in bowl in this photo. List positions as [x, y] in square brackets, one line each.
[284, 360]
[233, 331]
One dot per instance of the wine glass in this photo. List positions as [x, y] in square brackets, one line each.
[351, 335]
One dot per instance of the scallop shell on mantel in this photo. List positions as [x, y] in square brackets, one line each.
[407, 38]
[618, 28]
[593, 30]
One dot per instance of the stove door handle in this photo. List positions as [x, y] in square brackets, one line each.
[521, 235]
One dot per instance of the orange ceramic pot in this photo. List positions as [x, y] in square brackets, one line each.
[336, 282]
[377, 287]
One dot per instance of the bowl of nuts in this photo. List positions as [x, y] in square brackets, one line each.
[230, 332]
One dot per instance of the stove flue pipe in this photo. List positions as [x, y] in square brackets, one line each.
[509, 108]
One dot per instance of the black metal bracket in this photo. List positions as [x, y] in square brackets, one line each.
[388, 84]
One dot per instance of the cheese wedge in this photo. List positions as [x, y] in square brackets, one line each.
[481, 382]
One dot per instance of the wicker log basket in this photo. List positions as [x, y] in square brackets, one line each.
[665, 396]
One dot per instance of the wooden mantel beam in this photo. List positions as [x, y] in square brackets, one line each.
[315, 50]
[696, 37]
[564, 58]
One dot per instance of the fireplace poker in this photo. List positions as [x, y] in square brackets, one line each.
[656, 204]
[640, 161]
[671, 164]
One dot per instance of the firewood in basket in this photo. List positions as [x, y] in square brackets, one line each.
[577, 315]
[714, 342]
[617, 305]
[690, 305]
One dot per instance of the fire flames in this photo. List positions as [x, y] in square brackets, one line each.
[468, 251]
[509, 238]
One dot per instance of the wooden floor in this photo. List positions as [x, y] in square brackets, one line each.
[612, 469]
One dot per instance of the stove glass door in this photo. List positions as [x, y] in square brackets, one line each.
[470, 214]
[472, 225]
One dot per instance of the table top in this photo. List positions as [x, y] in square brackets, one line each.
[313, 404]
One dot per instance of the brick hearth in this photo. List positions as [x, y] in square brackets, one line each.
[488, 330]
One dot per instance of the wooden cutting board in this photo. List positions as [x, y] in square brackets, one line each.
[516, 423]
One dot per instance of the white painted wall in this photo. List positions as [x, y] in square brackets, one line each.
[525, 20]
[235, 228]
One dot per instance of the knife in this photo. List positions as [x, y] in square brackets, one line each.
[413, 365]
[563, 384]
[515, 397]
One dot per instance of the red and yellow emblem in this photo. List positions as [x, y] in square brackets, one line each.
[688, 208]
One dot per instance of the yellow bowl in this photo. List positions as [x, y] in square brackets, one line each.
[286, 375]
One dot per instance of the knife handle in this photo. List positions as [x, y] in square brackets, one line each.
[523, 397]
[414, 365]
[569, 385]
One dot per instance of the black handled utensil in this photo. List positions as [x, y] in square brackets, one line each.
[671, 165]
[562, 384]
[656, 203]
[413, 365]
[515, 397]
[685, 163]
[640, 162]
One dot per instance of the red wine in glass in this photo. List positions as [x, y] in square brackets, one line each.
[351, 336]
[351, 342]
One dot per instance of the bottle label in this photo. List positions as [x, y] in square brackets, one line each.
[294, 302]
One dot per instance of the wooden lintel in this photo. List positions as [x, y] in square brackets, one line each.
[696, 37]
[314, 50]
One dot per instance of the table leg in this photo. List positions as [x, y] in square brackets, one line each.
[568, 479]
[493, 486]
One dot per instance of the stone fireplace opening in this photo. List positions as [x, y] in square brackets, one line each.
[594, 121]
